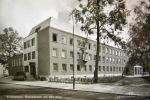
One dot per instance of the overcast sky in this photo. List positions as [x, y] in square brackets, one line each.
[22, 15]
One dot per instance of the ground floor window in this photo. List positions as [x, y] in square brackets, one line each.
[26, 68]
[71, 67]
[90, 67]
[55, 66]
[64, 67]
[78, 67]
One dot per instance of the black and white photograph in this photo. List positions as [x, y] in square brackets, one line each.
[74, 49]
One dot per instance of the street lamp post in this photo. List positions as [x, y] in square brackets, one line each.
[73, 53]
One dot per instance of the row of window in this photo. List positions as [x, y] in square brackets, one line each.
[104, 59]
[16, 62]
[89, 45]
[78, 68]
[29, 56]
[29, 43]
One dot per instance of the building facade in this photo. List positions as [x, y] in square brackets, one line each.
[15, 64]
[48, 51]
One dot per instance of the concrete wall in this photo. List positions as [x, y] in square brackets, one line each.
[43, 52]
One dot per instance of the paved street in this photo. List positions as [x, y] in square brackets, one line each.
[22, 92]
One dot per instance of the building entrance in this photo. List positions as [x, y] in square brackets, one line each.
[33, 69]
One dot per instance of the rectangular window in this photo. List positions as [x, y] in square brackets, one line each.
[103, 59]
[25, 57]
[94, 57]
[25, 45]
[107, 50]
[111, 68]
[99, 48]
[99, 68]
[114, 60]
[119, 68]
[110, 51]
[90, 67]
[26, 69]
[89, 46]
[64, 54]
[116, 52]
[29, 43]
[78, 68]
[64, 39]
[99, 58]
[71, 67]
[107, 59]
[78, 43]
[113, 52]
[29, 56]
[55, 66]
[54, 52]
[103, 68]
[78, 55]
[33, 55]
[110, 60]
[71, 41]
[90, 57]
[94, 47]
[107, 68]
[64, 67]
[54, 37]
[103, 49]
[33, 42]
[71, 54]
[114, 68]
[84, 68]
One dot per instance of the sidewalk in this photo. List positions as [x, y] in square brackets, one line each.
[140, 90]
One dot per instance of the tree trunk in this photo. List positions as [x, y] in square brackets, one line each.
[97, 51]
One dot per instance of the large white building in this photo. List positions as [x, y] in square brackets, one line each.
[48, 51]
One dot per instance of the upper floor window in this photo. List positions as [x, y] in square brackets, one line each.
[33, 41]
[33, 55]
[64, 54]
[28, 43]
[90, 57]
[94, 47]
[25, 45]
[107, 50]
[71, 54]
[99, 68]
[78, 55]
[110, 51]
[54, 52]
[64, 39]
[25, 57]
[89, 46]
[71, 41]
[71, 67]
[78, 43]
[29, 56]
[54, 37]
[103, 49]
[116, 52]
[103, 59]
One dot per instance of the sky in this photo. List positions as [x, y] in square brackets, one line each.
[22, 15]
